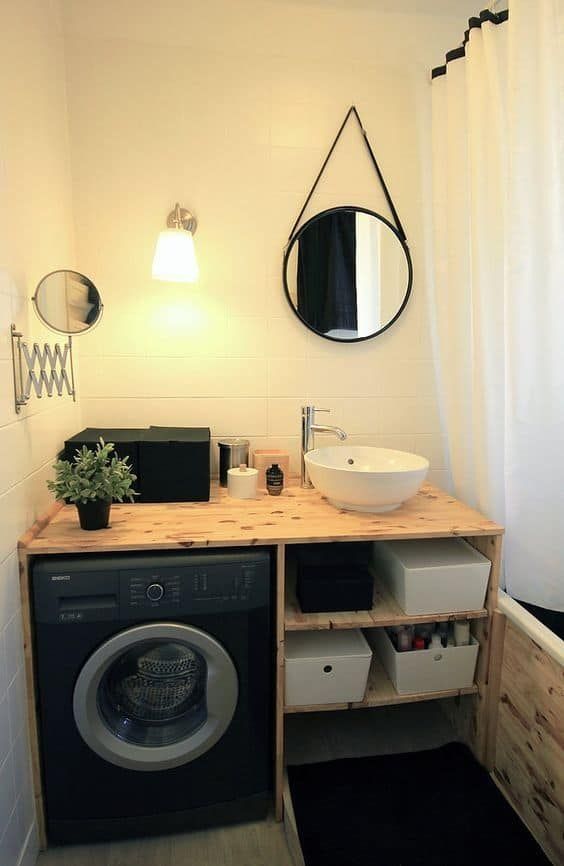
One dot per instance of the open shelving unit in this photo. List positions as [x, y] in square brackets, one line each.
[385, 611]
[469, 719]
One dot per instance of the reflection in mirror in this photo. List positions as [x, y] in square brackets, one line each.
[68, 302]
[347, 274]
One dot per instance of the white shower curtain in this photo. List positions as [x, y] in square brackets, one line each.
[498, 215]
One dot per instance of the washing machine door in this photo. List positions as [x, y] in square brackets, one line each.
[155, 696]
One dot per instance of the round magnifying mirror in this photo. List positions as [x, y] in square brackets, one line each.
[68, 302]
[347, 274]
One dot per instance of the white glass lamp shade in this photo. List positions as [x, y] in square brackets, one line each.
[175, 257]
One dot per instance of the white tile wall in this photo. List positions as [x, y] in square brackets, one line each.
[28, 445]
[254, 122]
[34, 179]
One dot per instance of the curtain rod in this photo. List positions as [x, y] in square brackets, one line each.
[485, 16]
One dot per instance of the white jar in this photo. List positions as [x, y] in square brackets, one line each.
[242, 482]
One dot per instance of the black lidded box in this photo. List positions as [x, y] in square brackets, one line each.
[174, 463]
[125, 440]
[334, 577]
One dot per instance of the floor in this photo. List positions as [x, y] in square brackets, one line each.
[316, 737]
[309, 737]
[258, 844]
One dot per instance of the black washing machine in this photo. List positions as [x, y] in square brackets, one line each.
[155, 681]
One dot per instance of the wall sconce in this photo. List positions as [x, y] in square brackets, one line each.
[175, 256]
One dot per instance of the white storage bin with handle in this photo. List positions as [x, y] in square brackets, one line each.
[326, 667]
[430, 670]
[437, 575]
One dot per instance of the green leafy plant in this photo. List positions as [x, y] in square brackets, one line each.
[93, 475]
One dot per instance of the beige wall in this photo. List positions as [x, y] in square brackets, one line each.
[36, 235]
[230, 108]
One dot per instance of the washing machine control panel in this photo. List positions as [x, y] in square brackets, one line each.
[149, 586]
[154, 590]
[197, 588]
[201, 588]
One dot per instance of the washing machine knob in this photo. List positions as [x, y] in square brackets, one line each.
[154, 591]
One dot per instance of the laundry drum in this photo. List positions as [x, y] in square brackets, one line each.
[155, 694]
[150, 697]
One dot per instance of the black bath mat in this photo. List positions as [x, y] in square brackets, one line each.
[433, 808]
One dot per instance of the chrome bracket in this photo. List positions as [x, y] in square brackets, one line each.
[180, 218]
[41, 369]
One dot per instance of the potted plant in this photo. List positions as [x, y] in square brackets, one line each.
[92, 480]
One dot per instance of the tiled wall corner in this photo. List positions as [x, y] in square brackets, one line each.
[34, 178]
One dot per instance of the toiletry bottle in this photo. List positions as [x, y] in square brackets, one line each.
[274, 480]
[462, 633]
[443, 633]
[425, 631]
[405, 638]
[436, 641]
[419, 642]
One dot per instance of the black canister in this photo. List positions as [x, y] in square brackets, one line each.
[274, 480]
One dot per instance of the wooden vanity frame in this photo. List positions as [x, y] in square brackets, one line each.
[298, 516]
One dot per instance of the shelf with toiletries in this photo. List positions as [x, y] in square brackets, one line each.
[410, 638]
[380, 692]
[379, 667]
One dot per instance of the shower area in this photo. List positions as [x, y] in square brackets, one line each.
[498, 305]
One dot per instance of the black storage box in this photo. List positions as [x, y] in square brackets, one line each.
[126, 443]
[174, 463]
[334, 577]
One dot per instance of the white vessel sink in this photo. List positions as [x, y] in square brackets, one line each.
[362, 478]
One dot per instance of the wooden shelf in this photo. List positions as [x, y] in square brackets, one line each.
[380, 692]
[385, 612]
[296, 516]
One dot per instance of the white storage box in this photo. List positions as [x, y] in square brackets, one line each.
[326, 667]
[430, 670]
[436, 575]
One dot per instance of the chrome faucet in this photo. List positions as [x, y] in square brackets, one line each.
[309, 427]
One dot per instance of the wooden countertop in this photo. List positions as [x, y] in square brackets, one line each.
[296, 516]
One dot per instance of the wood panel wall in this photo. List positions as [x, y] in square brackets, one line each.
[529, 761]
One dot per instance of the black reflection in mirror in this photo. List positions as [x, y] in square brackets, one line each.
[347, 274]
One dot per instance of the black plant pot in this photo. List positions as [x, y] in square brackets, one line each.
[94, 514]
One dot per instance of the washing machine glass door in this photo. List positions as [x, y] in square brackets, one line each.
[155, 696]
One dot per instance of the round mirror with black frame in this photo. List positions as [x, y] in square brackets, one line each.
[68, 302]
[348, 274]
